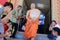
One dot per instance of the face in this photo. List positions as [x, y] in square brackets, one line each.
[7, 9]
[53, 23]
[32, 6]
[19, 8]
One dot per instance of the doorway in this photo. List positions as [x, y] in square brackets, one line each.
[45, 7]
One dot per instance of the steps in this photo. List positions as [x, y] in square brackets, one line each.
[20, 36]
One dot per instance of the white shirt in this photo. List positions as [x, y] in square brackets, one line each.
[57, 26]
[34, 13]
[58, 38]
[50, 28]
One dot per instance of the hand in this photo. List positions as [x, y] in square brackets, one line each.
[8, 33]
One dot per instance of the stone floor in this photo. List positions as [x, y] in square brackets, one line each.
[20, 36]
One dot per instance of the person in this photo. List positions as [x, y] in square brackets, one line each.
[56, 32]
[8, 7]
[31, 26]
[53, 24]
[10, 28]
[16, 14]
[2, 34]
[41, 23]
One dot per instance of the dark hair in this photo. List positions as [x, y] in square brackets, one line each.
[54, 21]
[9, 4]
[19, 6]
[9, 21]
[57, 30]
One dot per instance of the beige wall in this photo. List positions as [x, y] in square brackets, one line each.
[16, 2]
[56, 10]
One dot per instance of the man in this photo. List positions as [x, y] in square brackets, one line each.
[32, 17]
[16, 14]
[56, 32]
[2, 35]
[41, 23]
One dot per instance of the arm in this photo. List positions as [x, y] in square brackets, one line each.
[9, 29]
[4, 35]
[50, 28]
[27, 16]
[8, 16]
[39, 14]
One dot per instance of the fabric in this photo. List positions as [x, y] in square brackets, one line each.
[15, 13]
[57, 26]
[5, 28]
[58, 38]
[1, 25]
[41, 29]
[4, 13]
[7, 17]
[13, 19]
[14, 27]
[1, 10]
[4, 24]
[31, 27]
[1, 30]
[51, 36]
[42, 18]
[34, 14]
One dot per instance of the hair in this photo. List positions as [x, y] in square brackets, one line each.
[57, 30]
[54, 21]
[19, 6]
[9, 21]
[33, 4]
[9, 4]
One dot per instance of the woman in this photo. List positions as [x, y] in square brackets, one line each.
[32, 17]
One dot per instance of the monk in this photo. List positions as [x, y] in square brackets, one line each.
[32, 17]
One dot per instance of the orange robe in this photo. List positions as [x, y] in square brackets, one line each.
[31, 28]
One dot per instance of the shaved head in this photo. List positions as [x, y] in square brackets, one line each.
[32, 5]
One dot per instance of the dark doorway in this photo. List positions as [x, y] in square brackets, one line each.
[45, 7]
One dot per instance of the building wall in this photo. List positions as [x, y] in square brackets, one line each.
[16, 2]
[56, 10]
[2, 2]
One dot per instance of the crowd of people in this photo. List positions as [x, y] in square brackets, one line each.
[12, 19]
